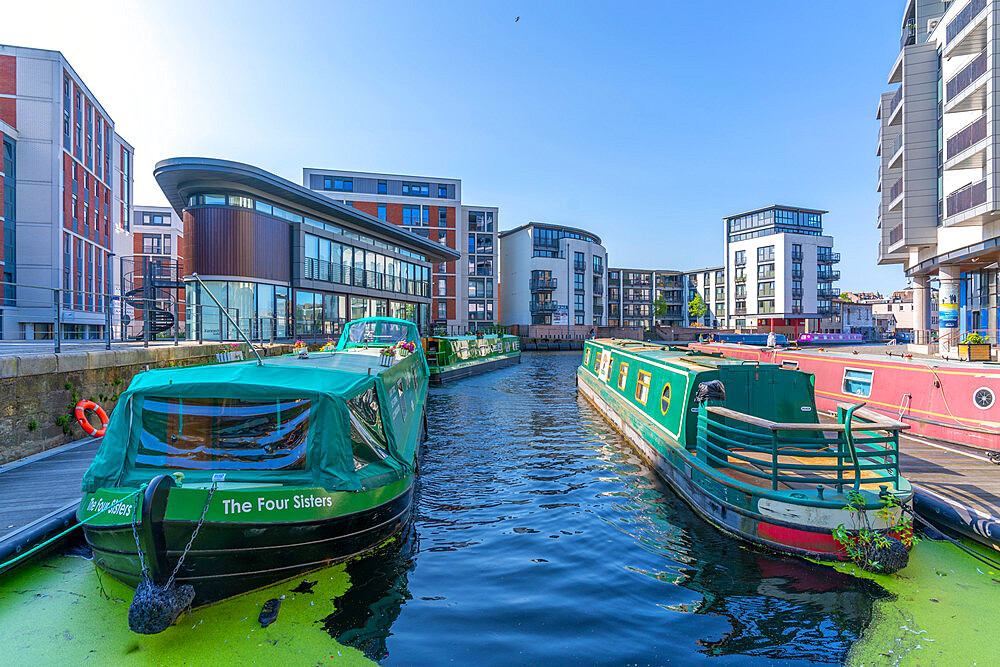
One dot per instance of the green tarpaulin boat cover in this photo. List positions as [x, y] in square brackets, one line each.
[150, 415]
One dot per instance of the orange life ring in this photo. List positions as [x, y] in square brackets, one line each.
[79, 410]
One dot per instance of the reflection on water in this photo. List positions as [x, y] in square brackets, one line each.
[540, 536]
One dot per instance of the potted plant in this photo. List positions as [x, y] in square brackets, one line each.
[301, 349]
[386, 356]
[975, 347]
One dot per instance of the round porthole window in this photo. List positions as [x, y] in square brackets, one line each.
[983, 398]
[665, 399]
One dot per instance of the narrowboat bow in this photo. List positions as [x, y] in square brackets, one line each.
[262, 470]
[741, 444]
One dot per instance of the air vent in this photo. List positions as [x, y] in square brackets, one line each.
[931, 24]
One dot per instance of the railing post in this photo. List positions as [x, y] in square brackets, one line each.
[177, 320]
[774, 460]
[220, 324]
[58, 332]
[199, 324]
[107, 324]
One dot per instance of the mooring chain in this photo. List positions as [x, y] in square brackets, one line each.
[194, 534]
[144, 571]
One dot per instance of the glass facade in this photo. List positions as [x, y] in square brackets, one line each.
[774, 220]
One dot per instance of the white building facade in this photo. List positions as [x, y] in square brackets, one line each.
[938, 171]
[779, 269]
[552, 275]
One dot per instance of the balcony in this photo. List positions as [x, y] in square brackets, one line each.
[964, 139]
[960, 42]
[909, 35]
[599, 269]
[741, 311]
[965, 198]
[896, 234]
[796, 273]
[579, 266]
[828, 293]
[542, 284]
[894, 103]
[796, 292]
[598, 310]
[741, 260]
[826, 310]
[796, 255]
[598, 287]
[740, 279]
[540, 307]
[827, 276]
[894, 152]
[896, 189]
[828, 258]
[965, 78]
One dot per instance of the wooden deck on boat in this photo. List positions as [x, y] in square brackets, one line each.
[41, 486]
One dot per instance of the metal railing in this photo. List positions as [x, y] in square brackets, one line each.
[897, 97]
[831, 293]
[826, 276]
[971, 134]
[964, 18]
[896, 189]
[828, 258]
[895, 234]
[542, 284]
[965, 78]
[579, 266]
[543, 307]
[965, 198]
[861, 448]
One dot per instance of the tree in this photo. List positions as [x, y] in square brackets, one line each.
[660, 307]
[697, 307]
[846, 296]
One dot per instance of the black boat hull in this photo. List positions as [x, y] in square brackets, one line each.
[231, 558]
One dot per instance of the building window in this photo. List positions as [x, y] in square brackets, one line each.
[442, 216]
[442, 287]
[765, 288]
[151, 244]
[766, 306]
[411, 216]
[578, 303]
[417, 189]
[443, 191]
[578, 281]
[341, 184]
[598, 264]
[381, 212]
[765, 254]
[382, 188]
[442, 310]
[765, 271]
[579, 261]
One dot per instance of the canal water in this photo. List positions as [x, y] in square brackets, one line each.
[539, 538]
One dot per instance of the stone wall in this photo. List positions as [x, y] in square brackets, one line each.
[38, 391]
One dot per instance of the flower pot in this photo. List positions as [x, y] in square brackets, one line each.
[385, 360]
[974, 351]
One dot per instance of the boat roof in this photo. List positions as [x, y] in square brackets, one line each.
[675, 355]
[875, 352]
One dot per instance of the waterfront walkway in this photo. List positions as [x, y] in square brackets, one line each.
[42, 487]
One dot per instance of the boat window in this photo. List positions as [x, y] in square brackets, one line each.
[642, 387]
[586, 356]
[376, 333]
[665, 399]
[794, 365]
[367, 432]
[223, 434]
[622, 376]
[857, 382]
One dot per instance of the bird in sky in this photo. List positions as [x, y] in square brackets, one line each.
[516, 19]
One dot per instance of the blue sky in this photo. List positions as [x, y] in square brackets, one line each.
[642, 122]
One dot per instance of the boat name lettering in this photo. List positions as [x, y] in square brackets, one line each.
[112, 507]
[263, 504]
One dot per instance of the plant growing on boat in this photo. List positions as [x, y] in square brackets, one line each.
[974, 338]
[880, 551]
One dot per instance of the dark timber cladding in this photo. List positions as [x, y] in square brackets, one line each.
[234, 242]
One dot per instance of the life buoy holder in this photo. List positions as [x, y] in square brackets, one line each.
[80, 412]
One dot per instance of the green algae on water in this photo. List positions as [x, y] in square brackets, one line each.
[61, 611]
[943, 610]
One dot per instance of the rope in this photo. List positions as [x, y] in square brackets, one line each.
[61, 534]
[982, 559]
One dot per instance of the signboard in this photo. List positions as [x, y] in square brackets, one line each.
[948, 305]
[561, 315]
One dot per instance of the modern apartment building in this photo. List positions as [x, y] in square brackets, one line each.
[633, 295]
[464, 291]
[938, 167]
[62, 191]
[710, 285]
[779, 268]
[636, 295]
[285, 261]
[552, 275]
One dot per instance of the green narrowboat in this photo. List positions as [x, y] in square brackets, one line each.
[454, 357]
[742, 444]
[234, 476]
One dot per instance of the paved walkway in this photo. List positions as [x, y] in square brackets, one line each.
[36, 487]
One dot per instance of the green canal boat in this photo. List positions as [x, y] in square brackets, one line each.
[741, 443]
[238, 475]
[454, 357]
